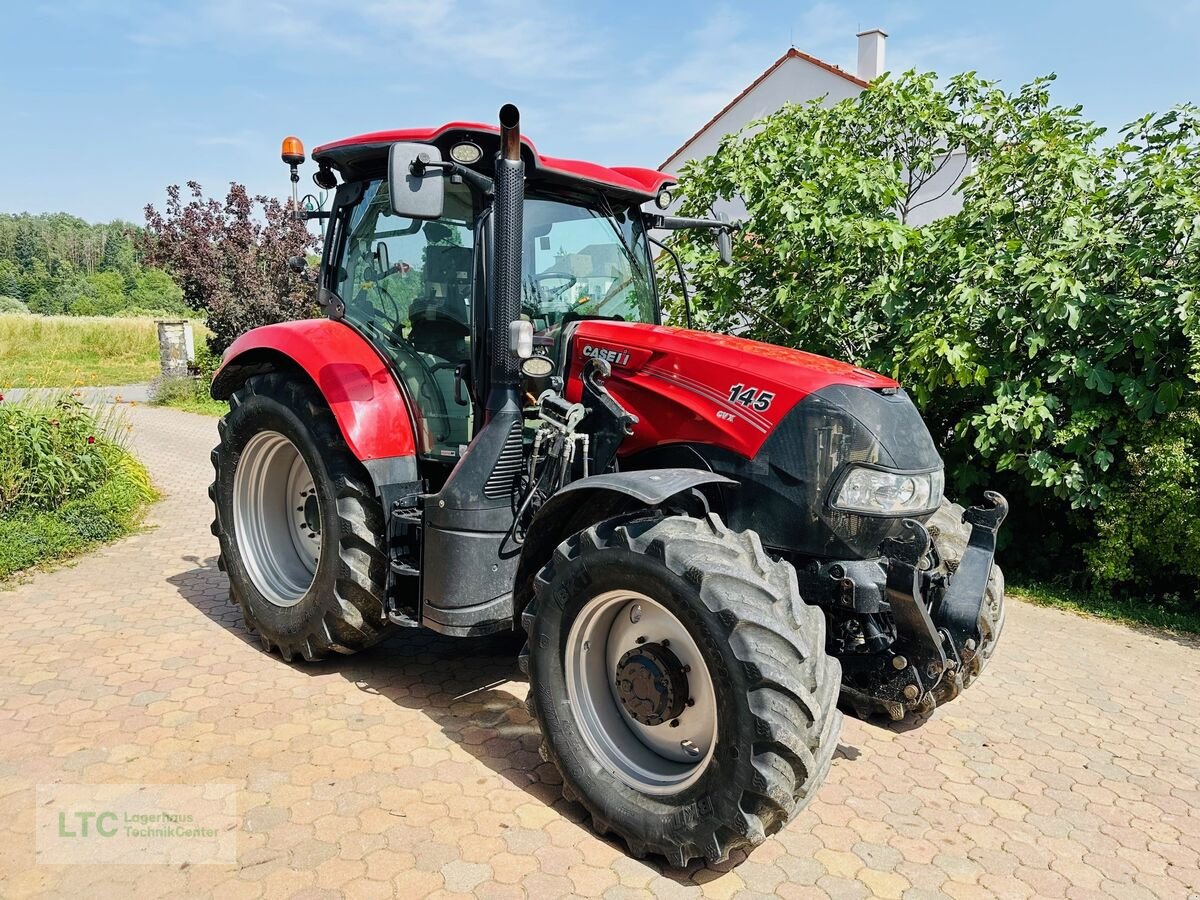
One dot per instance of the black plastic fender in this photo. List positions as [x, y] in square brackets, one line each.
[590, 500]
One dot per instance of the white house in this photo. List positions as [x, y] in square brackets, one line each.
[797, 77]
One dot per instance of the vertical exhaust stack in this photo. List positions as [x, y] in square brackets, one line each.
[506, 260]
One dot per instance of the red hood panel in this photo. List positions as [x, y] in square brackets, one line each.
[695, 387]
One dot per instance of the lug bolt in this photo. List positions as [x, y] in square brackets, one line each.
[970, 644]
[899, 662]
[674, 723]
[911, 692]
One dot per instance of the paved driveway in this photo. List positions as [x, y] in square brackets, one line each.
[1071, 769]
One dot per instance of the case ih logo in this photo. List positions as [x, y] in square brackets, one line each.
[616, 357]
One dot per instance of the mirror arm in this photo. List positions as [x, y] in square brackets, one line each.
[482, 182]
[674, 223]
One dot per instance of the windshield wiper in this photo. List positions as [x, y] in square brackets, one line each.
[629, 254]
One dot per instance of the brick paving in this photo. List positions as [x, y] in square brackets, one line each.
[1072, 769]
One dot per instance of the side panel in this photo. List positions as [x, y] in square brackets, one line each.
[699, 388]
[370, 408]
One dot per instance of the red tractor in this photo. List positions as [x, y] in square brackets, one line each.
[706, 540]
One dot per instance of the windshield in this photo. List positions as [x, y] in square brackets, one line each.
[584, 263]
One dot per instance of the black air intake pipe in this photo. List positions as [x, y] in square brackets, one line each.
[506, 258]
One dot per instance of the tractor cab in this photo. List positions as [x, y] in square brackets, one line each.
[416, 286]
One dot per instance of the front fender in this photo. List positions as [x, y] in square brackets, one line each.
[587, 501]
[370, 408]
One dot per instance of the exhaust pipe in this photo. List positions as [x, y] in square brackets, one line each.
[506, 259]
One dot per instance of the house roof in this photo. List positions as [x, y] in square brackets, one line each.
[792, 53]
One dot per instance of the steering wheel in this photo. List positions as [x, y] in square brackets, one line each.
[555, 293]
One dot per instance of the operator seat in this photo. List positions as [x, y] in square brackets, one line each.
[440, 329]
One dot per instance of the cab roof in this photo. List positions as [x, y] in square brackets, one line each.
[354, 156]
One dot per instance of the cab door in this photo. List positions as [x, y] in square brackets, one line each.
[409, 286]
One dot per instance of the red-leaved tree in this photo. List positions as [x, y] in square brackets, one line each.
[231, 258]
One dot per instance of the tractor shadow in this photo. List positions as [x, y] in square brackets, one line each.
[471, 688]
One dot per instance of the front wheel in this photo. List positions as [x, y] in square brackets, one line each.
[681, 684]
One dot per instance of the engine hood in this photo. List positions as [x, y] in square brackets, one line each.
[695, 387]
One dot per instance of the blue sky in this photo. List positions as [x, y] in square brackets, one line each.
[105, 102]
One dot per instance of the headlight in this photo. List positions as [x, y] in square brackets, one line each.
[877, 493]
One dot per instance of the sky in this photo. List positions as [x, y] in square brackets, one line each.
[105, 102]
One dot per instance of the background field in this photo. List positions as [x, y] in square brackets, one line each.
[71, 351]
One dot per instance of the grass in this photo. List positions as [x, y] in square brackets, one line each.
[1126, 610]
[67, 482]
[188, 394]
[71, 351]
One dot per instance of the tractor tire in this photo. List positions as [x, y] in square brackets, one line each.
[300, 529]
[950, 535]
[711, 730]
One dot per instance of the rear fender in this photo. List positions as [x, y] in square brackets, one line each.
[371, 410]
[590, 500]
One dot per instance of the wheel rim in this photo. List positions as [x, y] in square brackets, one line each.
[277, 518]
[642, 692]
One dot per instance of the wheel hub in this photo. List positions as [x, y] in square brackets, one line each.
[652, 684]
[646, 701]
[277, 518]
[312, 513]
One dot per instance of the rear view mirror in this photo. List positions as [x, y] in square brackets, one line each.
[725, 246]
[417, 188]
[724, 238]
[382, 263]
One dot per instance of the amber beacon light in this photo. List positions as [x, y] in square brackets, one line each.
[292, 151]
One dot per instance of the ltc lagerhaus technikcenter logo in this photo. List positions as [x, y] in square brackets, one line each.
[153, 824]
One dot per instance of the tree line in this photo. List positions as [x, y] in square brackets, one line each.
[58, 264]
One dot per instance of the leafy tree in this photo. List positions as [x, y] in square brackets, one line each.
[230, 258]
[1044, 329]
[155, 290]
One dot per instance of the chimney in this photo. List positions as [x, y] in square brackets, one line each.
[871, 46]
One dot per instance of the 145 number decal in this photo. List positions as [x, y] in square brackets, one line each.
[751, 397]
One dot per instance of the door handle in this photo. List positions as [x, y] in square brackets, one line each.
[460, 372]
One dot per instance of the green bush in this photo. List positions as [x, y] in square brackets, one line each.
[1049, 330]
[66, 481]
[1149, 522]
[12, 305]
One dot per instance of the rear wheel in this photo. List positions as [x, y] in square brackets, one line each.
[681, 684]
[301, 532]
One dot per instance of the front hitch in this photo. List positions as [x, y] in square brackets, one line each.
[958, 611]
[932, 639]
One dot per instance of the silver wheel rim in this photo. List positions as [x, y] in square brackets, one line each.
[655, 759]
[274, 505]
